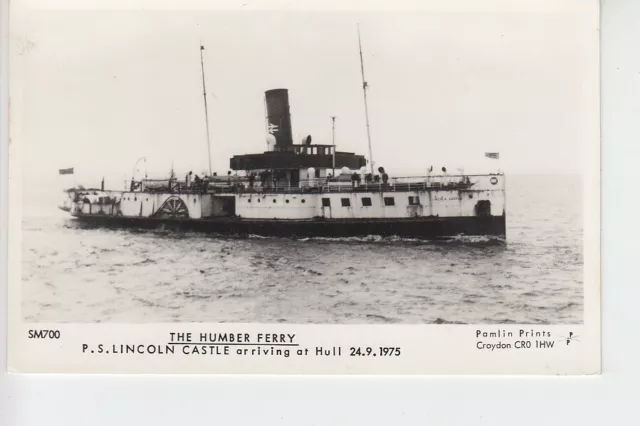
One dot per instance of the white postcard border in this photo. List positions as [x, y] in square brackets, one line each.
[425, 349]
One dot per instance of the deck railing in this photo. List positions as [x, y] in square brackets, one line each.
[235, 184]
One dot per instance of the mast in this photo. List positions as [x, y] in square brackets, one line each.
[206, 111]
[366, 109]
[333, 131]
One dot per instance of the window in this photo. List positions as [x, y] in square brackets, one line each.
[303, 201]
[326, 202]
[366, 202]
[317, 173]
[286, 201]
[345, 202]
[414, 201]
[389, 201]
[274, 200]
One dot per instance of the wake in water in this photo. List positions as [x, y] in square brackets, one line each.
[460, 239]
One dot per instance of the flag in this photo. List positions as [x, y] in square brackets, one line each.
[494, 155]
[68, 171]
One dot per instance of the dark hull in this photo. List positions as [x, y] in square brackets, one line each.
[423, 228]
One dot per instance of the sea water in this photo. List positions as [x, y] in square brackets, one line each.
[70, 274]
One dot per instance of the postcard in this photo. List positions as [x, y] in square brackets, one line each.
[312, 188]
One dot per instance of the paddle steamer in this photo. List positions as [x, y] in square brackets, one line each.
[303, 190]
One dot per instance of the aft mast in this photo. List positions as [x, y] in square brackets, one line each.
[333, 139]
[206, 111]
[366, 109]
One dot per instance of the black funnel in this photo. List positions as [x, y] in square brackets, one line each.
[279, 118]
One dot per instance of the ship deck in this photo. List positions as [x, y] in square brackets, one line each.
[243, 186]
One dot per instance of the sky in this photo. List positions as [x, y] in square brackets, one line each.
[96, 90]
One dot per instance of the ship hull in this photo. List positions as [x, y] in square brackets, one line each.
[421, 228]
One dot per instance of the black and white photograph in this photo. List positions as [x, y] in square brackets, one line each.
[303, 167]
[325, 183]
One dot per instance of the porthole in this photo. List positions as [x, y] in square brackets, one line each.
[274, 200]
[494, 180]
[249, 200]
[258, 199]
[470, 195]
[303, 201]
[286, 201]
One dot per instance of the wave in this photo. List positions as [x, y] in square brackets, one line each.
[455, 240]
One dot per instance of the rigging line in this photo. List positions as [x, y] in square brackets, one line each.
[206, 110]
